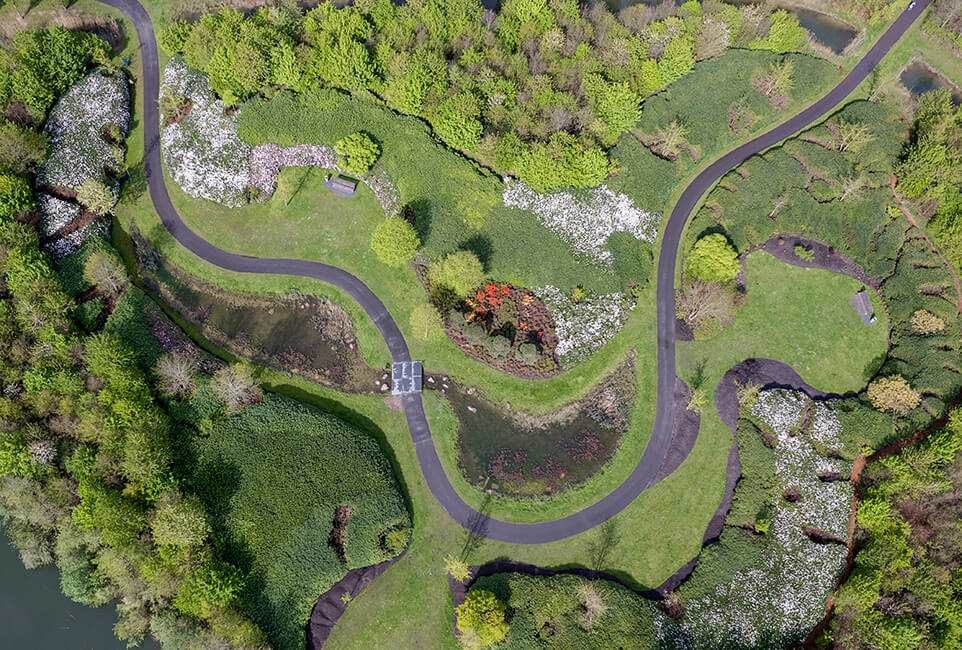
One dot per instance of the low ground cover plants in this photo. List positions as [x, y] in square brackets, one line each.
[929, 171]
[505, 326]
[82, 145]
[277, 521]
[566, 611]
[800, 188]
[767, 581]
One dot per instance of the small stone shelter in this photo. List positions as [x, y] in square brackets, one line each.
[341, 186]
[863, 305]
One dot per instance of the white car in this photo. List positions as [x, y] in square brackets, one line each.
[912, 5]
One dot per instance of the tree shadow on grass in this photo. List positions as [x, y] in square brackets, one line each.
[474, 537]
[481, 246]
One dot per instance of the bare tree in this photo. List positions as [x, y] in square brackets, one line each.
[669, 141]
[593, 599]
[699, 300]
[175, 375]
[107, 273]
[777, 80]
[853, 185]
[778, 204]
[850, 136]
[236, 386]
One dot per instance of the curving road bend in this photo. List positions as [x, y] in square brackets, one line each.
[431, 467]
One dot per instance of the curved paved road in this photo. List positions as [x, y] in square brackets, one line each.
[438, 483]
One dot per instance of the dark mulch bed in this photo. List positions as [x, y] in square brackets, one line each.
[826, 257]
[683, 435]
[331, 604]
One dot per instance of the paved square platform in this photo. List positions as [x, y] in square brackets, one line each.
[406, 377]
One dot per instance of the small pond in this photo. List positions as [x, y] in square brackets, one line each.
[307, 336]
[35, 614]
[918, 79]
[519, 454]
[826, 29]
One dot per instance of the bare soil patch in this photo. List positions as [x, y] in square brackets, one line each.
[342, 517]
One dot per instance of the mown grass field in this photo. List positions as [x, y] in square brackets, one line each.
[800, 316]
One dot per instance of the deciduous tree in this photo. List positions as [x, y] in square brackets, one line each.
[394, 241]
[461, 272]
[96, 197]
[106, 272]
[712, 259]
[893, 394]
[426, 322]
[175, 375]
[482, 616]
[358, 152]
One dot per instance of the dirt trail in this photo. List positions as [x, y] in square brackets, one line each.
[908, 215]
[860, 463]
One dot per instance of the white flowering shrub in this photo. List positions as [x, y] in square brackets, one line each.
[76, 124]
[585, 326]
[55, 213]
[69, 244]
[584, 220]
[267, 160]
[779, 601]
[202, 152]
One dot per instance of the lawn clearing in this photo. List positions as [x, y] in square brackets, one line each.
[800, 316]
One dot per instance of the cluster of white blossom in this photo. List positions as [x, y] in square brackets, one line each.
[203, 152]
[55, 213]
[67, 245]
[777, 602]
[585, 326]
[268, 159]
[76, 125]
[584, 220]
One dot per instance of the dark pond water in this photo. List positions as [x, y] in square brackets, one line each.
[497, 452]
[301, 334]
[518, 454]
[826, 29]
[35, 615]
[919, 79]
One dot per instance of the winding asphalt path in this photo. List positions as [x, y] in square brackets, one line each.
[431, 467]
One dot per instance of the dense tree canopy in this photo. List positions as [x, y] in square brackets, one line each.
[539, 90]
[461, 272]
[45, 63]
[932, 168]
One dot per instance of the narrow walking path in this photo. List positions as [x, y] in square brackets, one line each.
[437, 481]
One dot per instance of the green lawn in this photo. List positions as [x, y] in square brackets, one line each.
[319, 226]
[801, 316]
